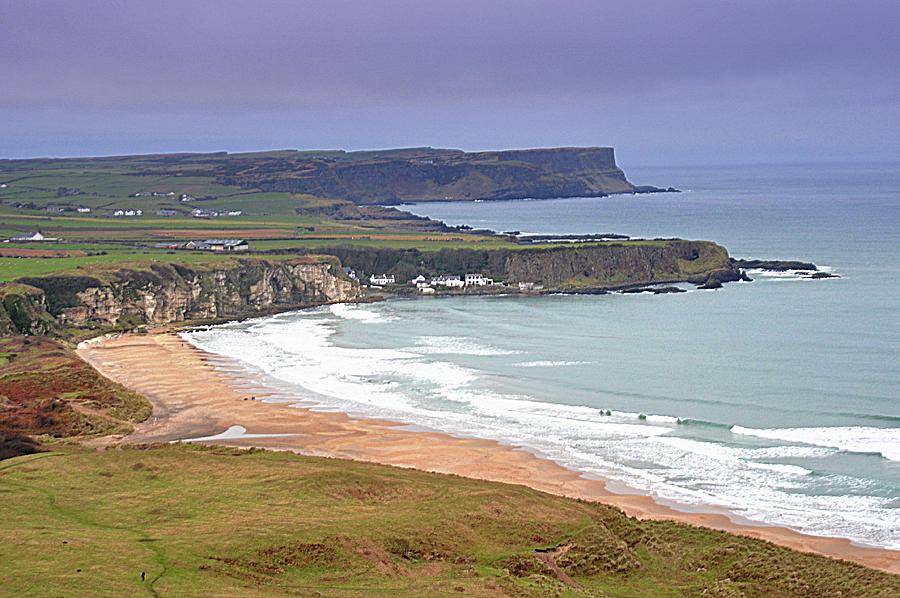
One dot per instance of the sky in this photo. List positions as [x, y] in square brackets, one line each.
[664, 82]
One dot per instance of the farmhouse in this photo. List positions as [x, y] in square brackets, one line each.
[166, 212]
[225, 245]
[30, 237]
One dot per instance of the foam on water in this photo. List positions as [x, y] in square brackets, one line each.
[548, 364]
[420, 385]
[350, 311]
[855, 439]
[454, 345]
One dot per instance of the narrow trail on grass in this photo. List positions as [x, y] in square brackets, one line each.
[143, 539]
[29, 460]
[549, 559]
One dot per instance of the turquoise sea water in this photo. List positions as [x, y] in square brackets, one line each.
[778, 399]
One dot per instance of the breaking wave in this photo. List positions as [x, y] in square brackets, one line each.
[854, 439]
[768, 475]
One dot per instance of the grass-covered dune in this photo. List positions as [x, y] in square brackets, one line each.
[226, 522]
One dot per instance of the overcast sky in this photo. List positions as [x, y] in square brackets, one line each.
[665, 82]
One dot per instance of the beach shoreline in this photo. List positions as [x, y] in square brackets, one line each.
[193, 397]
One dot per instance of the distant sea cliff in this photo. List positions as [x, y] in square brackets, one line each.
[427, 174]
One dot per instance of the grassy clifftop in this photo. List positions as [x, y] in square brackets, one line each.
[216, 521]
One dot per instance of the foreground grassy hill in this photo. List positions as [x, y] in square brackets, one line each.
[225, 522]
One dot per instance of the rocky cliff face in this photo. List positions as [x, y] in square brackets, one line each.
[174, 293]
[569, 267]
[619, 265]
[443, 175]
[23, 310]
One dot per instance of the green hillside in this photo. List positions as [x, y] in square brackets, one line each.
[223, 522]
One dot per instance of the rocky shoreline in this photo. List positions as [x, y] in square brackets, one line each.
[172, 293]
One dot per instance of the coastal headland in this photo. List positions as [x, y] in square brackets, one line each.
[110, 254]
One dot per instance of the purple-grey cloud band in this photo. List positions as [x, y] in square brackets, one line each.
[641, 58]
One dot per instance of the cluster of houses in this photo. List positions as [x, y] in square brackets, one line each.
[198, 213]
[427, 286]
[153, 194]
[452, 282]
[225, 245]
[201, 213]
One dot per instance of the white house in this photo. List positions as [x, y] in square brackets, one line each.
[84, 210]
[418, 280]
[119, 213]
[234, 212]
[477, 280]
[381, 279]
[448, 281]
[226, 245]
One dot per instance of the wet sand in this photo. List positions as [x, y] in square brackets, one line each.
[194, 398]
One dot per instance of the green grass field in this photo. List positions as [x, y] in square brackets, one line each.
[14, 268]
[269, 221]
[222, 522]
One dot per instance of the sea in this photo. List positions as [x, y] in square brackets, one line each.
[777, 400]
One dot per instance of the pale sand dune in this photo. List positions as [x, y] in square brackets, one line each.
[192, 398]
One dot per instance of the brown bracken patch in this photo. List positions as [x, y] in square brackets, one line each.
[46, 390]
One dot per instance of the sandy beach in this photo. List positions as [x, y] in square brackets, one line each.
[193, 396]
